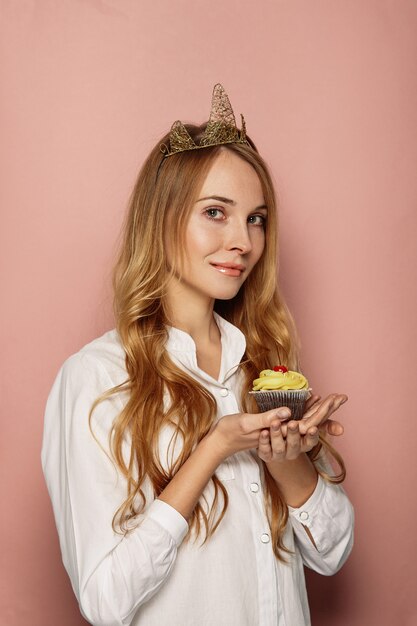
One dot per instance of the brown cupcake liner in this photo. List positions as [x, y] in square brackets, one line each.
[294, 399]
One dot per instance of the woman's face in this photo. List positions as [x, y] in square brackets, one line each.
[225, 234]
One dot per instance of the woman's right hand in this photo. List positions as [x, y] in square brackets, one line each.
[230, 434]
[241, 431]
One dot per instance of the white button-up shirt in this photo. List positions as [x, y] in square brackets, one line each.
[151, 576]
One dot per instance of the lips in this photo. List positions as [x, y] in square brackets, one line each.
[229, 269]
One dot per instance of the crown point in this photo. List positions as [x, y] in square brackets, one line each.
[242, 128]
[180, 139]
[220, 129]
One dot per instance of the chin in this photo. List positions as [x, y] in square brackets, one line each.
[225, 294]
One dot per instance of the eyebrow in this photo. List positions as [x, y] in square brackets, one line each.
[229, 201]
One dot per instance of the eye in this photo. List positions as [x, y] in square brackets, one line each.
[257, 220]
[214, 213]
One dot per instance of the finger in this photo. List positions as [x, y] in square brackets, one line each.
[284, 429]
[256, 421]
[323, 411]
[310, 403]
[338, 400]
[311, 439]
[285, 415]
[318, 406]
[264, 446]
[278, 444]
[282, 413]
[316, 414]
[334, 428]
[293, 440]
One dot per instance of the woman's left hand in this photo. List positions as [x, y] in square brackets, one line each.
[275, 446]
[286, 441]
[318, 413]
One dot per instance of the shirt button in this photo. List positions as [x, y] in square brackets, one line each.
[254, 487]
[265, 538]
[304, 515]
[224, 392]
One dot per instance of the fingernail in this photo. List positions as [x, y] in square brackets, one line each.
[275, 427]
[283, 413]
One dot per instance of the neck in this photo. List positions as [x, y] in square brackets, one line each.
[193, 315]
[192, 312]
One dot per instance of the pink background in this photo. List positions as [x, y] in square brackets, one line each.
[329, 92]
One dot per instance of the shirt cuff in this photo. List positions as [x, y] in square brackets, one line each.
[166, 516]
[304, 513]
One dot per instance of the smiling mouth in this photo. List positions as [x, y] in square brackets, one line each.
[228, 269]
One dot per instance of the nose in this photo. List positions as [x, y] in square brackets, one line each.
[238, 238]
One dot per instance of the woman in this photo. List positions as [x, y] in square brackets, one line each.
[176, 502]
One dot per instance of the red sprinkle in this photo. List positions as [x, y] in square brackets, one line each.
[280, 368]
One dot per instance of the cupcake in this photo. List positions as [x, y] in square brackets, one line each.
[281, 387]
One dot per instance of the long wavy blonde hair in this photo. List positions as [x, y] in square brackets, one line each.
[169, 187]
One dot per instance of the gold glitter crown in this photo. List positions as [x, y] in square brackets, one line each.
[221, 128]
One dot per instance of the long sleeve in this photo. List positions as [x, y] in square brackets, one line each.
[329, 516]
[111, 574]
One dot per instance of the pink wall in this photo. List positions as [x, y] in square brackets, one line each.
[329, 92]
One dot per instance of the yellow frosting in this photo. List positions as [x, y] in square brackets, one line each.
[270, 380]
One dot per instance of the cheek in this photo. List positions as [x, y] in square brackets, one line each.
[200, 240]
[258, 245]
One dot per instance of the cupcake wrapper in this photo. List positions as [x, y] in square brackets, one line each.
[293, 399]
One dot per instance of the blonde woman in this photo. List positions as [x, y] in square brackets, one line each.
[176, 502]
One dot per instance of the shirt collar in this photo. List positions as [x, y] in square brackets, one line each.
[182, 346]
